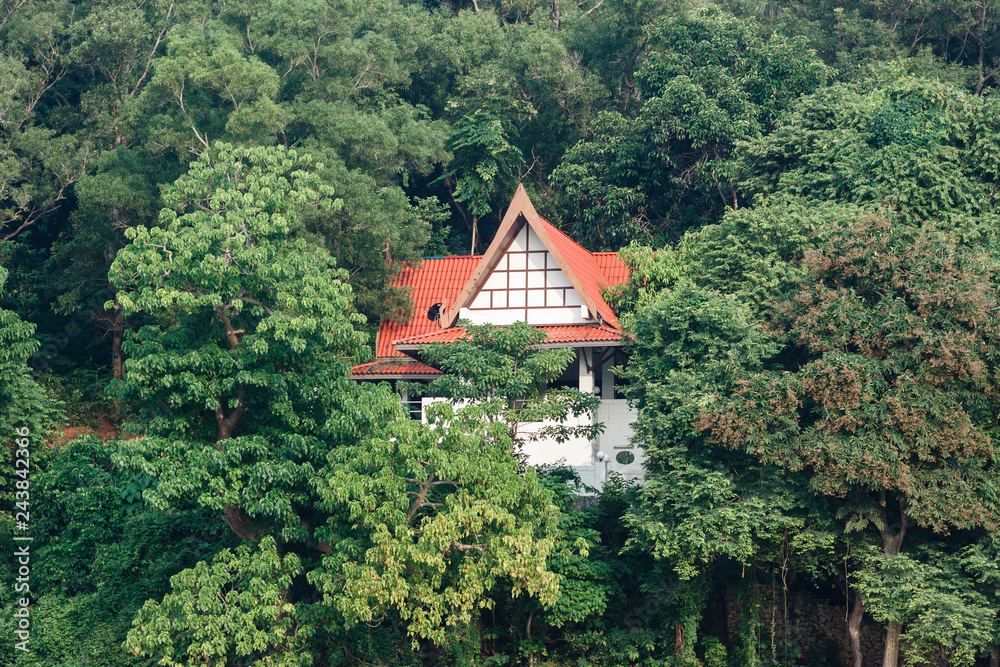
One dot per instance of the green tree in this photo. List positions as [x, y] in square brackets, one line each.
[23, 404]
[702, 503]
[241, 383]
[25, 409]
[980, 560]
[499, 376]
[486, 157]
[98, 553]
[883, 391]
[40, 162]
[711, 81]
[495, 380]
[942, 614]
[255, 325]
[922, 148]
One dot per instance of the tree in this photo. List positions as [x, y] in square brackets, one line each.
[495, 380]
[98, 553]
[486, 157]
[703, 503]
[263, 322]
[40, 163]
[242, 386]
[498, 376]
[120, 195]
[942, 614]
[23, 404]
[923, 148]
[980, 560]
[883, 392]
[711, 81]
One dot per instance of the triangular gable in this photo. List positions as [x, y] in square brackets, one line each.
[573, 264]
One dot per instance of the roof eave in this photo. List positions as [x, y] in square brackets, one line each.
[394, 376]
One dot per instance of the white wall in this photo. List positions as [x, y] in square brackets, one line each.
[618, 418]
[581, 453]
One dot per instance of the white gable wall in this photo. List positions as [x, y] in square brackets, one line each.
[527, 286]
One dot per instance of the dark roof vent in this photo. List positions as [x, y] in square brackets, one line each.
[434, 312]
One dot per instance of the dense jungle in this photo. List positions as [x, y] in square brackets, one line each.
[204, 205]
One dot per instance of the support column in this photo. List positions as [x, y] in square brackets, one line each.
[586, 385]
[586, 377]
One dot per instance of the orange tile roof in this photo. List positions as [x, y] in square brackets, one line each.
[614, 270]
[448, 280]
[392, 367]
[566, 333]
[583, 264]
[436, 280]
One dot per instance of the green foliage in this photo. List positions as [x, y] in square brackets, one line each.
[195, 623]
[22, 402]
[781, 386]
[244, 383]
[650, 272]
[24, 405]
[888, 373]
[756, 253]
[922, 148]
[715, 652]
[434, 518]
[97, 554]
[498, 375]
[711, 81]
[944, 616]
[227, 263]
[699, 502]
[254, 343]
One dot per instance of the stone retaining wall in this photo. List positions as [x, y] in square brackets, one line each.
[816, 626]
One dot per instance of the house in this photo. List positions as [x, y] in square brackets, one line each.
[531, 272]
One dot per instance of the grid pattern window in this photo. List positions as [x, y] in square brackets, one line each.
[527, 285]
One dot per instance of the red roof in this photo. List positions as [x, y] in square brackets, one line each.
[585, 267]
[614, 270]
[567, 333]
[454, 282]
[436, 280]
[393, 367]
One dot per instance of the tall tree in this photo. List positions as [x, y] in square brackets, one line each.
[242, 384]
[884, 392]
[923, 148]
[711, 81]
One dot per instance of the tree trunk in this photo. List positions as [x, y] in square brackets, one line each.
[117, 360]
[678, 638]
[234, 515]
[226, 424]
[531, 655]
[995, 656]
[117, 330]
[240, 522]
[854, 629]
[891, 656]
[892, 544]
